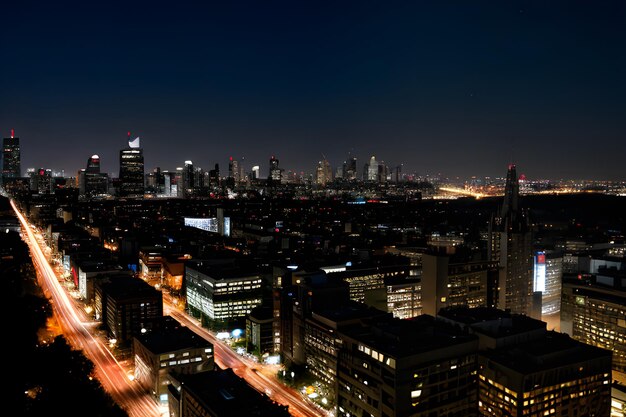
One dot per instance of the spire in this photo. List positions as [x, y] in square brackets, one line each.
[511, 192]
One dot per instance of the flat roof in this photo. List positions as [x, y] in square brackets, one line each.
[401, 338]
[226, 394]
[172, 339]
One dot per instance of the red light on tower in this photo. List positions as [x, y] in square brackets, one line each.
[12, 133]
[231, 159]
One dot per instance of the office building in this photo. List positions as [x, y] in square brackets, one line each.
[128, 307]
[415, 367]
[275, 172]
[259, 330]
[220, 393]
[321, 340]
[526, 370]
[372, 170]
[446, 284]
[323, 173]
[173, 348]
[593, 311]
[349, 169]
[223, 293]
[403, 296]
[41, 181]
[511, 244]
[308, 292]
[11, 159]
[91, 182]
[131, 175]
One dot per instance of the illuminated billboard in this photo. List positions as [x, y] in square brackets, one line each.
[207, 224]
[539, 275]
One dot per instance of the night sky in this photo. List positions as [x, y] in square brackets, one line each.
[459, 88]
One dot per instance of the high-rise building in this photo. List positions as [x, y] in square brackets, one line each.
[91, 182]
[131, 170]
[234, 173]
[372, 170]
[349, 169]
[324, 172]
[11, 167]
[593, 312]
[188, 179]
[276, 173]
[511, 245]
[255, 172]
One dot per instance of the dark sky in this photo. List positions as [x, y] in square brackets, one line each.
[454, 87]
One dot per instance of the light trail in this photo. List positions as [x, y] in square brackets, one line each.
[112, 374]
[462, 191]
[108, 370]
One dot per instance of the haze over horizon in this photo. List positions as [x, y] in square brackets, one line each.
[440, 87]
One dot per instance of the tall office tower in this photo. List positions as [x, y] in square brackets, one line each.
[275, 174]
[131, 170]
[168, 182]
[11, 157]
[398, 173]
[214, 176]
[511, 244]
[255, 172]
[324, 173]
[349, 169]
[372, 170]
[234, 173]
[188, 176]
[91, 182]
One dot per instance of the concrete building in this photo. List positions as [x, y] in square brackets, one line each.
[416, 367]
[525, 369]
[173, 348]
[222, 293]
[220, 393]
[447, 284]
[128, 307]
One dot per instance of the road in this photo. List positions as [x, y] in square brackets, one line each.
[114, 376]
[251, 371]
[109, 371]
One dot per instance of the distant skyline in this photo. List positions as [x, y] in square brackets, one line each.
[457, 88]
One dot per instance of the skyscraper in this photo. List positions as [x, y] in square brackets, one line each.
[511, 244]
[275, 175]
[372, 170]
[349, 169]
[91, 182]
[11, 157]
[131, 170]
[324, 172]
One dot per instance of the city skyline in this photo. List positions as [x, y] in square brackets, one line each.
[452, 88]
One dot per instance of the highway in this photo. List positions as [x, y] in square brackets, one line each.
[114, 376]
